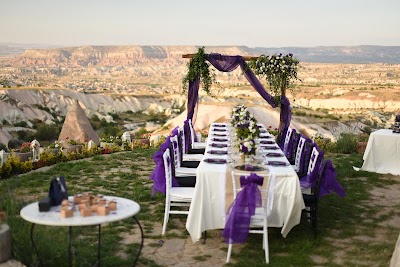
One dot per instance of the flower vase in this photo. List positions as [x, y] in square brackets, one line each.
[246, 159]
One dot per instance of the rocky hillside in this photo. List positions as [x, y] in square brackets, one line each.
[132, 55]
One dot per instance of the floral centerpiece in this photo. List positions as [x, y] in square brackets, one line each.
[246, 130]
[238, 113]
[248, 147]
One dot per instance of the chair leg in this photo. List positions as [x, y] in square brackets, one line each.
[205, 237]
[314, 222]
[266, 246]
[166, 217]
[228, 256]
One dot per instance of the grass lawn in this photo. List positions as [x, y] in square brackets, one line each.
[358, 230]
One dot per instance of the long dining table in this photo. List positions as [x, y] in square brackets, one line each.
[211, 200]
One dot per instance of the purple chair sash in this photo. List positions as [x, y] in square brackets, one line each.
[310, 179]
[329, 182]
[247, 200]
[158, 175]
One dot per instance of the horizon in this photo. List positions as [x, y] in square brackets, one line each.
[252, 24]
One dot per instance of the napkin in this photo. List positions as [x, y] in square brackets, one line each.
[217, 134]
[219, 130]
[218, 152]
[219, 145]
[267, 142]
[273, 154]
[220, 140]
[216, 161]
[277, 163]
[270, 147]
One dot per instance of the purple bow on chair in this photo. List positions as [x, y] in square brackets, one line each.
[247, 200]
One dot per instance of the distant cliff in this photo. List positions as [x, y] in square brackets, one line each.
[133, 55]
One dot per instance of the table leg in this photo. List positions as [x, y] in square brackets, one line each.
[98, 246]
[141, 244]
[69, 245]
[34, 245]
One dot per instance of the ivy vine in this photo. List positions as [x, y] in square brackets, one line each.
[198, 66]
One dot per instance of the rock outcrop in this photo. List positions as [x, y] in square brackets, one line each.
[77, 126]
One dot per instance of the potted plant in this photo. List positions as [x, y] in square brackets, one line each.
[110, 141]
[73, 146]
[141, 140]
[55, 147]
[24, 152]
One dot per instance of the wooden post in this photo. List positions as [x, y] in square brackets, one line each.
[246, 58]
[5, 243]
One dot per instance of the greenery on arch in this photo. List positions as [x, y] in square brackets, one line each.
[279, 70]
[198, 66]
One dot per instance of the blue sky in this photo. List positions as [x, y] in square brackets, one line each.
[268, 23]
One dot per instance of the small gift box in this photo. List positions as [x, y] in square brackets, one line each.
[86, 212]
[112, 205]
[94, 208]
[66, 213]
[103, 210]
[77, 198]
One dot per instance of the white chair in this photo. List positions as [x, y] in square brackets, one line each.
[195, 145]
[299, 153]
[175, 153]
[287, 139]
[260, 218]
[174, 196]
[313, 159]
[315, 153]
[186, 157]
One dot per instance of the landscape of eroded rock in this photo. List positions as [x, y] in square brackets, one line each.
[331, 98]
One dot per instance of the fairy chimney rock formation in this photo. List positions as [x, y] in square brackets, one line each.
[77, 126]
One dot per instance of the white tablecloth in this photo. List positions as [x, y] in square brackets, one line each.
[382, 154]
[207, 210]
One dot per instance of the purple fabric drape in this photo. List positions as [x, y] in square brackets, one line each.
[158, 175]
[227, 64]
[247, 200]
[186, 131]
[329, 182]
[193, 97]
[175, 131]
[310, 179]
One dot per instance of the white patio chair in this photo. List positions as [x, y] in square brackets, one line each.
[175, 154]
[299, 153]
[287, 139]
[195, 145]
[260, 218]
[174, 196]
[186, 157]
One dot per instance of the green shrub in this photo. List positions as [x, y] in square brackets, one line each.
[3, 147]
[346, 144]
[47, 132]
[325, 144]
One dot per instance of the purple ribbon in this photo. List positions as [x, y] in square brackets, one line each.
[329, 182]
[158, 175]
[310, 179]
[244, 206]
